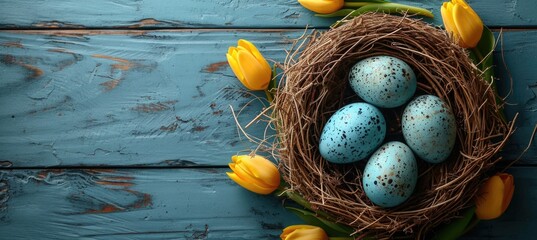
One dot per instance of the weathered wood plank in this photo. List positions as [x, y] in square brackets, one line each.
[72, 98]
[515, 66]
[117, 98]
[217, 14]
[134, 204]
[177, 204]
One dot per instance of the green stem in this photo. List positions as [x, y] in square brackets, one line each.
[361, 3]
[355, 4]
[393, 8]
[482, 64]
[369, 1]
[339, 13]
[363, 7]
[488, 73]
[388, 8]
[471, 226]
[281, 191]
[269, 95]
[479, 57]
[298, 199]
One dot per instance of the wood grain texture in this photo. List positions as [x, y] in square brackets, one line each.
[159, 98]
[123, 94]
[515, 61]
[178, 204]
[134, 204]
[218, 13]
[124, 98]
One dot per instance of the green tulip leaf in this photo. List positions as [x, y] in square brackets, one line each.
[339, 13]
[474, 57]
[483, 54]
[483, 58]
[390, 8]
[368, 1]
[457, 227]
[331, 228]
[273, 84]
[357, 4]
[273, 81]
[298, 199]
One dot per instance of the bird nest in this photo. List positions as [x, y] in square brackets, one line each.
[315, 85]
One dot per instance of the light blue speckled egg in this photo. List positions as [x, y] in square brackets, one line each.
[390, 175]
[429, 128]
[383, 81]
[352, 133]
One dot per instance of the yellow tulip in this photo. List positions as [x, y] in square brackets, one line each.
[303, 232]
[249, 65]
[254, 173]
[494, 196]
[322, 6]
[462, 22]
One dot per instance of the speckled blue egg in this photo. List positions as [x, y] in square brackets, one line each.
[383, 81]
[352, 133]
[429, 128]
[390, 175]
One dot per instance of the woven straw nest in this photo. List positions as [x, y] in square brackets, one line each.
[315, 86]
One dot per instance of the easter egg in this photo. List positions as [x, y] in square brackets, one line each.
[429, 128]
[390, 175]
[383, 81]
[352, 133]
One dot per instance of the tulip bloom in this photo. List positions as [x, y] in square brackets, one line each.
[303, 232]
[249, 65]
[462, 22]
[322, 6]
[254, 173]
[494, 196]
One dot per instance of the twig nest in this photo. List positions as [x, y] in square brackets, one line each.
[315, 86]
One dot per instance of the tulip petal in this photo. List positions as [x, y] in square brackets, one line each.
[252, 49]
[322, 6]
[253, 71]
[460, 2]
[308, 234]
[264, 169]
[509, 189]
[242, 171]
[472, 13]
[247, 185]
[288, 230]
[447, 17]
[235, 158]
[236, 69]
[254, 173]
[231, 50]
[239, 158]
[490, 199]
[303, 232]
[468, 24]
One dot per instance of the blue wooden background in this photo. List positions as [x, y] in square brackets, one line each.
[115, 118]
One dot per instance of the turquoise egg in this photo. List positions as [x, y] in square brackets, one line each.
[352, 133]
[390, 175]
[429, 128]
[383, 81]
